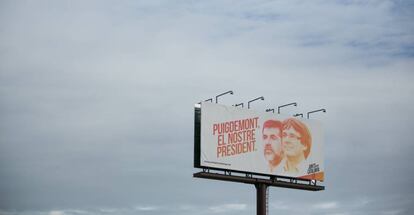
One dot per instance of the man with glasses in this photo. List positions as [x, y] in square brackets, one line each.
[296, 144]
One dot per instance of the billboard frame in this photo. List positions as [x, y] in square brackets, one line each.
[197, 153]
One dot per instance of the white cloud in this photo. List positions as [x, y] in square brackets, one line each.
[362, 201]
[187, 207]
[392, 212]
[279, 205]
[326, 205]
[341, 213]
[147, 208]
[224, 208]
[56, 213]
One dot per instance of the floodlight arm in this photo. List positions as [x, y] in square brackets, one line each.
[230, 91]
[298, 114]
[248, 103]
[271, 109]
[323, 110]
[210, 99]
[293, 103]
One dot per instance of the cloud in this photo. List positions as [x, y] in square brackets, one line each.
[147, 208]
[57, 213]
[392, 212]
[279, 205]
[341, 213]
[226, 208]
[187, 207]
[326, 205]
[362, 202]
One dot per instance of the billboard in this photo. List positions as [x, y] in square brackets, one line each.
[244, 140]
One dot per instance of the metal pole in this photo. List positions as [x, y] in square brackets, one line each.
[261, 200]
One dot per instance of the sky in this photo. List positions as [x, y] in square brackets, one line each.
[97, 102]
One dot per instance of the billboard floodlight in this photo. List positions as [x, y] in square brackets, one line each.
[298, 114]
[210, 99]
[270, 109]
[293, 103]
[230, 91]
[240, 104]
[323, 110]
[248, 103]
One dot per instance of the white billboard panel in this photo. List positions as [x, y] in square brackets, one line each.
[245, 140]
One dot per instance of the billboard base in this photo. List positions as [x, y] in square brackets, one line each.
[293, 184]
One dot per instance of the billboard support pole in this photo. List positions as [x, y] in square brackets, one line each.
[261, 199]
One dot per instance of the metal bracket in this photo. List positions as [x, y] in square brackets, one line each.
[273, 178]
